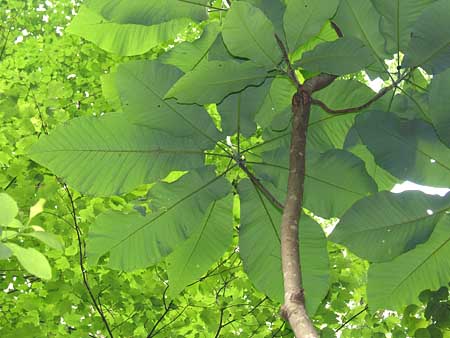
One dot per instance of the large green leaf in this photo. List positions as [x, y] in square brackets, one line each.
[343, 56]
[31, 260]
[440, 105]
[134, 241]
[248, 33]
[430, 42]
[259, 246]
[143, 102]
[327, 131]
[238, 110]
[383, 226]
[359, 19]
[334, 180]
[8, 209]
[398, 282]
[195, 256]
[408, 149]
[274, 10]
[397, 19]
[211, 81]
[108, 155]
[187, 55]
[304, 19]
[132, 28]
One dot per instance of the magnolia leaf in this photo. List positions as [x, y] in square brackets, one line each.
[304, 19]
[5, 252]
[195, 256]
[211, 81]
[397, 283]
[49, 239]
[8, 209]
[134, 241]
[439, 105]
[108, 155]
[383, 226]
[253, 39]
[430, 42]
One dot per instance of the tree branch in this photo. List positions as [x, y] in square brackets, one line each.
[290, 70]
[294, 309]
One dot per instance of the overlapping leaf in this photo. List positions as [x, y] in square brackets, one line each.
[108, 155]
[259, 246]
[304, 19]
[211, 81]
[195, 256]
[399, 282]
[132, 28]
[134, 241]
[397, 20]
[408, 149]
[253, 39]
[343, 56]
[440, 105]
[429, 47]
[383, 226]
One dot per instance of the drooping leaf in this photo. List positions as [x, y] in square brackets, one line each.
[429, 47]
[195, 256]
[440, 105]
[31, 260]
[304, 19]
[397, 19]
[134, 241]
[251, 38]
[399, 282]
[343, 56]
[238, 110]
[132, 28]
[144, 104]
[408, 149]
[108, 155]
[211, 81]
[259, 246]
[383, 226]
[187, 55]
[359, 19]
[333, 182]
[8, 209]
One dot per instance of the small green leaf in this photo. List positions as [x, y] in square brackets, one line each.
[8, 209]
[49, 239]
[32, 261]
[5, 252]
[36, 209]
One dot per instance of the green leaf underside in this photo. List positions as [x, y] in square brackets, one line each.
[425, 267]
[187, 55]
[133, 28]
[343, 56]
[383, 226]
[303, 19]
[397, 19]
[31, 260]
[430, 43]
[134, 241]
[408, 149]
[47, 238]
[144, 104]
[5, 252]
[8, 209]
[252, 39]
[211, 81]
[195, 256]
[333, 182]
[439, 105]
[259, 246]
[108, 155]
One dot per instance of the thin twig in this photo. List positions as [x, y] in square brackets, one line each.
[290, 69]
[203, 5]
[350, 319]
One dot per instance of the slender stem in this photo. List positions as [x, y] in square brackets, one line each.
[350, 319]
[203, 5]
[290, 70]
